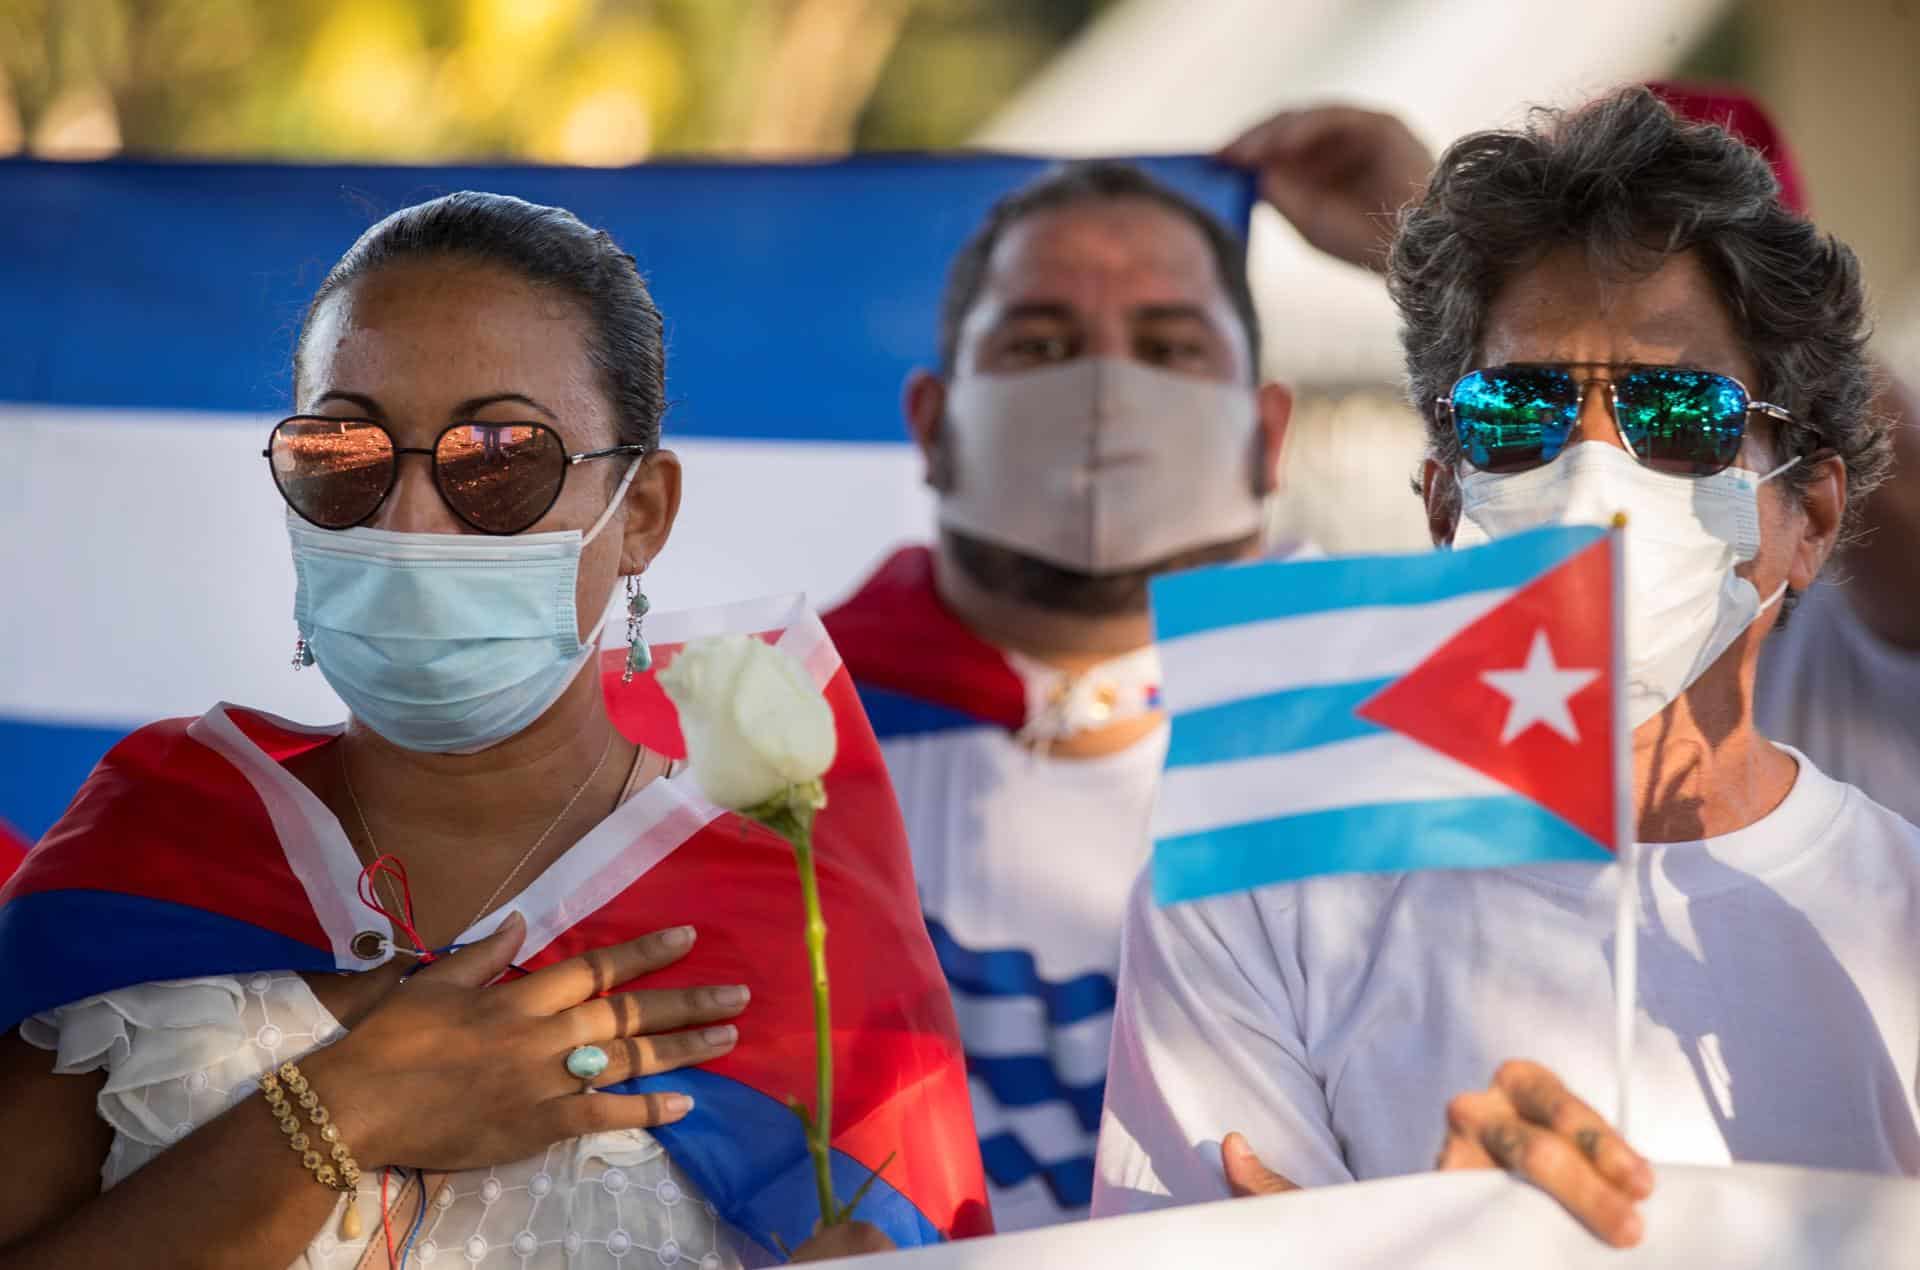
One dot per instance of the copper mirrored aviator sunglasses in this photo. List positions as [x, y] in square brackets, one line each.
[1673, 419]
[498, 478]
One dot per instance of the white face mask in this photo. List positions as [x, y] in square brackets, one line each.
[1101, 465]
[1685, 605]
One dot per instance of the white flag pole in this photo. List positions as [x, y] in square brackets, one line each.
[1626, 936]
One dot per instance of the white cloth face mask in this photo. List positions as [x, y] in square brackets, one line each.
[1101, 465]
[1685, 536]
[445, 643]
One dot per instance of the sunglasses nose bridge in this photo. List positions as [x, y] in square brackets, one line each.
[413, 504]
[1599, 416]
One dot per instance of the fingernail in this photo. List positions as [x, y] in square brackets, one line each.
[678, 937]
[718, 1036]
[1235, 1143]
[1642, 1178]
[1632, 1228]
[676, 1104]
[734, 996]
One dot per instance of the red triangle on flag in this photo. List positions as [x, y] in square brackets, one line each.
[1524, 694]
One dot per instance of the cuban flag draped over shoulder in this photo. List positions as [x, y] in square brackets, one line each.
[192, 851]
[1443, 710]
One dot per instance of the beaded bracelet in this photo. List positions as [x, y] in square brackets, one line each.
[346, 1176]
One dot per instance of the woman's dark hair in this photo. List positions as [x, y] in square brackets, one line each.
[551, 247]
[1631, 184]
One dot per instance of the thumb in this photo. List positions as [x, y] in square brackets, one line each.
[479, 963]
[1245, 1174]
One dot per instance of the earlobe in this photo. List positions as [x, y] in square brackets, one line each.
[1275, 405]
[653, 504]
[1441, 493]
[923, 400]
[1823, 507]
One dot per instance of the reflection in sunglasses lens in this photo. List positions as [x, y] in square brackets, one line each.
[501, 477]
[334, 472]
[1687, 422]
[1514, 418]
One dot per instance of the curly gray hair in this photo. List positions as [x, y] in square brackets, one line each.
[1631, 183]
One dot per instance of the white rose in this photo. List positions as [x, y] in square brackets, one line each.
[754, 723]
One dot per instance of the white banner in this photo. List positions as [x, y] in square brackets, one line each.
[1749, 1215]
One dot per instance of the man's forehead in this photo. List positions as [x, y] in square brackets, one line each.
[1129, 246]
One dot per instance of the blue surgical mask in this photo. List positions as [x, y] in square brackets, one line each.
[446, 643]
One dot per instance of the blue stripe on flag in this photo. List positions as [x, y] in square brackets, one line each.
[1276, 723]
[894, 714]
[1009, 1163]
[1028, 1080]
[178, 286]
[1012, 972]
[42, 766]
[1458, 833]
[747, 1153]
[1264, 591]
[184, 942]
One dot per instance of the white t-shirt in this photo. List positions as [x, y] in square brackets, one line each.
[1851, 701]
[1024, 863]
[1331, 1020]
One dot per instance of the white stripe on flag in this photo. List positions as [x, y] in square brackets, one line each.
[1383, 768]
[147, 570]
[1011, 1027]
[1233, 663]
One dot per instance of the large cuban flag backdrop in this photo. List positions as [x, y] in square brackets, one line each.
[1445, 710]
[146, 317]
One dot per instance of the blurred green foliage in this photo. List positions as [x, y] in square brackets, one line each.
[582, 81]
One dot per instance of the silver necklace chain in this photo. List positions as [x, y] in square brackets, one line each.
[518, 865]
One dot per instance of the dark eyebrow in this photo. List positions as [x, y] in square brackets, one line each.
[356, 399]
[1173, 313]
[1052, 309]
[472, 404]
[461, 411]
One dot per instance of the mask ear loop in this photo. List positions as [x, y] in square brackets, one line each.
[1816, 456]
[619, 496]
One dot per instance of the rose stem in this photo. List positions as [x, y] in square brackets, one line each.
[820, 1129]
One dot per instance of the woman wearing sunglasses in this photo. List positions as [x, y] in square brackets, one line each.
[1609, 311]
[474, 468]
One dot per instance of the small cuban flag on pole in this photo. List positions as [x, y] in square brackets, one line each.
[1441, 710]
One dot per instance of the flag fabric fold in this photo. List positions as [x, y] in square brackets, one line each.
[127, 888]
[918, 669]
[1380, 713]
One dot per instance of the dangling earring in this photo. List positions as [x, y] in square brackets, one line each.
[639, 656]
[302, 653]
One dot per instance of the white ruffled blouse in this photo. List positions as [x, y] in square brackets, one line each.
[178, 1054]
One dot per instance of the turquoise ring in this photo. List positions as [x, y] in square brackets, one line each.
[586, 1062]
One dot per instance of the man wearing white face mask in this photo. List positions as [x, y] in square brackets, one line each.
[1609, 311]
[1097, 419]
[1842, 683]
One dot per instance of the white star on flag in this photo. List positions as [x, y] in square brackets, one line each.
[1538, 692]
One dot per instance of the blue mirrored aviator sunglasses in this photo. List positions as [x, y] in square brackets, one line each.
[499, 478]
[1673, 419]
